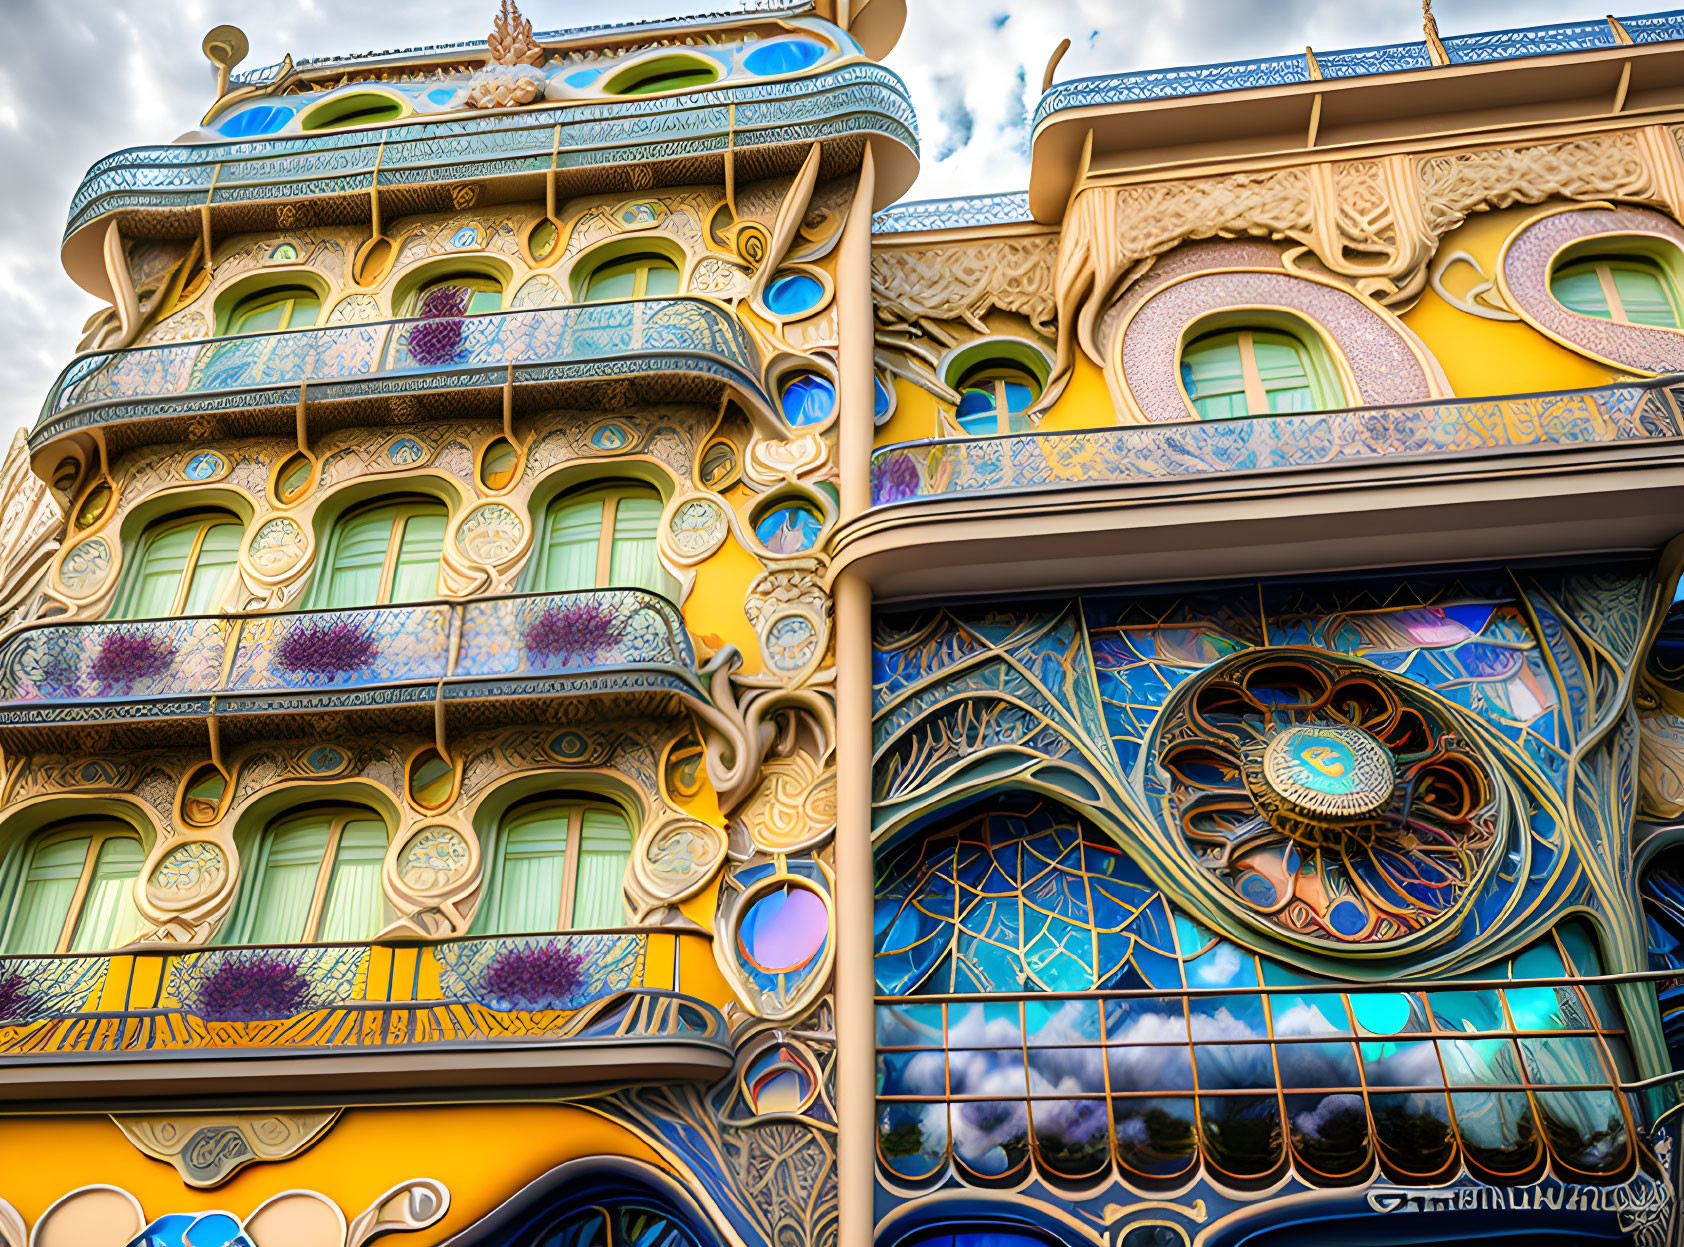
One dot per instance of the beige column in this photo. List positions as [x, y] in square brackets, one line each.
[856, 1033]
[855, 334]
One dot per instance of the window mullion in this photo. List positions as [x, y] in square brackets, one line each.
[80, 895]
[324, 876]
[1002, 421]
[1611, 292]
[605, 543]
[186, 582]
[394, 543]
[1256, 397]
[570, 866]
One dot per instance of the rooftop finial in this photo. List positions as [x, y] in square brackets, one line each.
[1429, 28]
[511, 40]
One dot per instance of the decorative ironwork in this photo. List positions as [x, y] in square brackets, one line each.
[163, 668]
[962, 212]
[1128, 454]
[649, 340]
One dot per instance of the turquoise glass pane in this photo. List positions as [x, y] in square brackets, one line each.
[977, 414]
[605, 844]
[109, 918]
[1214, 376]
[785, 56]
[485, 301]
[660, 280]
[1479, 1062]
[571, 533]
[1580, 290]
[808, 400]
[1643, 294]
[416, 575]
[612, 281]
[43, 903]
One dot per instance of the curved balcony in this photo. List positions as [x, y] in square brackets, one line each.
[947, 468]
[159, 1024]
[530, 648]
[629, 144]
[676, 350]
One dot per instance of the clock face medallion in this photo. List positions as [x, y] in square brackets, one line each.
[1329, 770]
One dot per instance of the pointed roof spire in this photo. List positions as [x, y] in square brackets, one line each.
[511, 40]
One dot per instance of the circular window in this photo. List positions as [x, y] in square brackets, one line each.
[993, 397]
[794, 294]
[785, 56]
[664, 73]
[808, 399]
[292, 481]
[358, 109]
[790, 528]
[541, 241]
[784, 929]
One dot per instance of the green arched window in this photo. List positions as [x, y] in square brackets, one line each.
[388, 552]
[475, 293]
[993, 398]
[1255, 372]
[280, 307]
[646, 275]
[76, 894]
[317, 879]
[557, 865]
[1633, 290]
[602, 538]
[184, 566]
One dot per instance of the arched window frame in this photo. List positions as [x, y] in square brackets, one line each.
[539, 576]
[485, 292]
[1329, 385]
[987, 367]
[202, 521]
[288, 286]
[98, 832]
[645, 252]
[1605, 257]
[408, 507]
[489, 919]
[666, 72]
[339, 816]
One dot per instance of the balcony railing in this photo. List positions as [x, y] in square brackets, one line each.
[630, 143]
[517, 646]
[680, 349]
[531, 1008]
[1139, 454]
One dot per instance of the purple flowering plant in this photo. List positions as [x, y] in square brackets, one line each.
[438, 338]
[16, 1000]
[540, 976]
[267, 986]
[572, 632]
[326, 647]
[894, 479]
[129, 657]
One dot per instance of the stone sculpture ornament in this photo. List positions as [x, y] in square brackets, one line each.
[511, 76]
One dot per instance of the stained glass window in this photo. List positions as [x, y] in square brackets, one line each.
[1663, 913]
[1112, 1036]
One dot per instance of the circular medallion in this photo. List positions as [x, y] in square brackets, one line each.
[1330, 769]
[490, 533]
[698, 527]
[277, 546]
[784, 929]
[84, 569]
[187, 872]
[433, 859]
[204, 466]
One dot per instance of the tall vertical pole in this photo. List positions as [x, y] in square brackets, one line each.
[856, 1032]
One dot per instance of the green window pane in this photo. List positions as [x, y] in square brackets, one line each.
[572, 531]
[416, 577]
[43, 904]
[1214, 377]
[163, 562]
[286, 882]
[355, 907]
[662, 280]
[1283, 366]
[109, 918]
[1643, 294]
[605, 843]
[213, 570]
[612, 281]
[633, 562]
[1580, 290]
[305, 309]
[485, 301]
[532, 861]
[358, 557]
[262, 319]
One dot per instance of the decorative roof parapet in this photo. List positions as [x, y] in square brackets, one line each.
[1274, 71]
[960, 212]
[1138, 454]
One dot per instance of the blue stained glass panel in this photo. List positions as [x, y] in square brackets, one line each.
[255, 122]
[808, 400]
[794, 294]
[784, 56]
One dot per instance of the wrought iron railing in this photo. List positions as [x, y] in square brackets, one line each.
[1498, 45]
[680, 336]
[1135, 454]
[329, 998]
[1427, 1083]
[155, 668]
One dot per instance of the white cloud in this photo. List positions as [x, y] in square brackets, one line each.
[974, 69]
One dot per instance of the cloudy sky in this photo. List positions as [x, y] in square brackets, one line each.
[80, 79]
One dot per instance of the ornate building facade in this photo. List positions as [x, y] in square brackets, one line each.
[573, 674]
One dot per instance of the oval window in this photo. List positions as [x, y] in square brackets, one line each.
[497, 465]
[808, 399]
[664, 73]
[541, 241]
[790, 528]
[202, 799]
[255, 122]
[432, 780]
[361, 108]
[794, 294]
[292, 482]
[785, 56]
